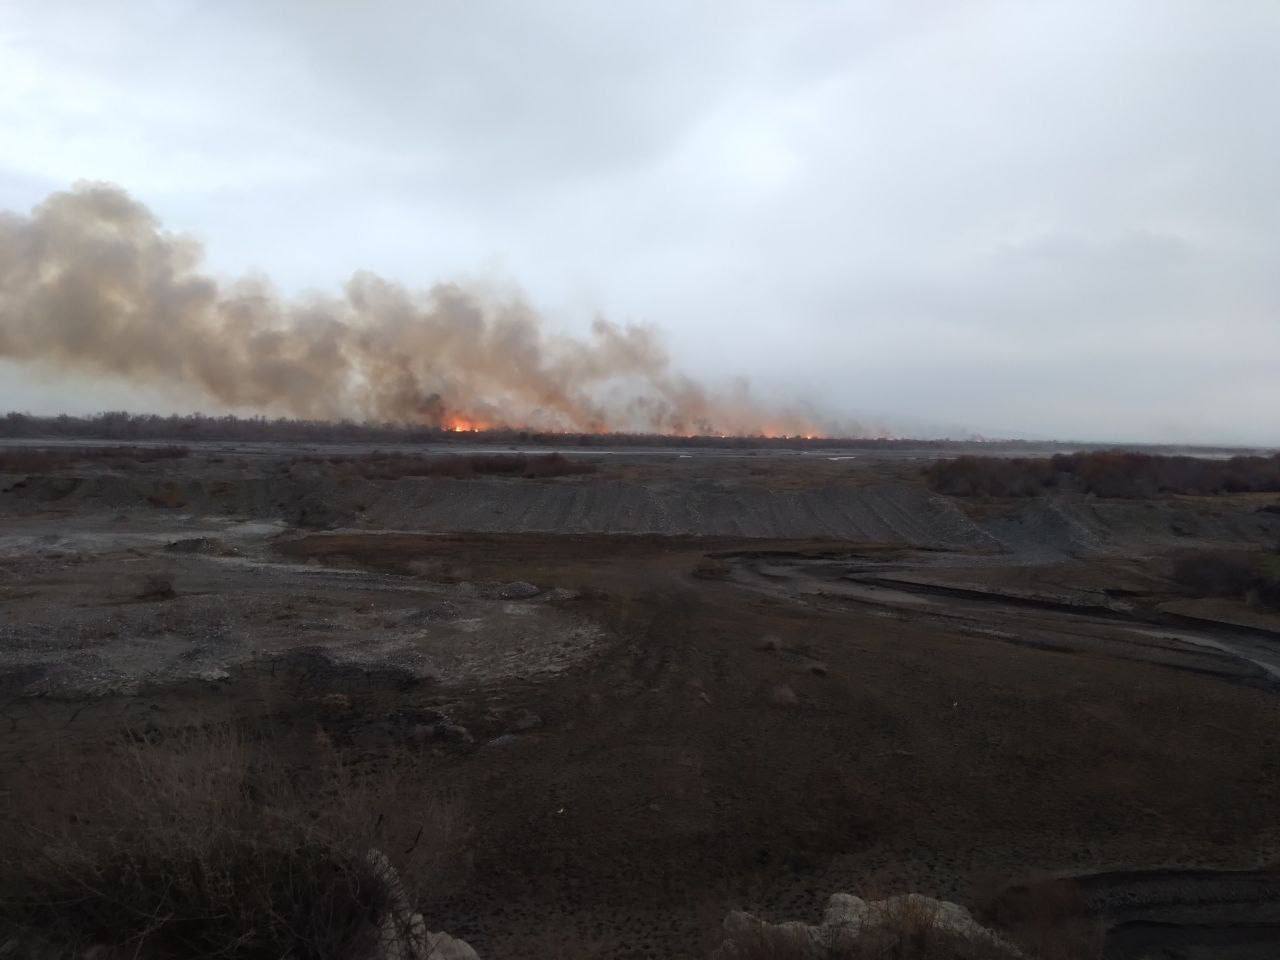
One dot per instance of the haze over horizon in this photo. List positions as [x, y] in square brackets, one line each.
[1010, 220]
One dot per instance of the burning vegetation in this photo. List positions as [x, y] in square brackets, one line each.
[91, 284]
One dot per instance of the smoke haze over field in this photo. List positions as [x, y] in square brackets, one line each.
[90, 284]
[946, 217]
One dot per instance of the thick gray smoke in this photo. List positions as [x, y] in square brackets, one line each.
[91, 284]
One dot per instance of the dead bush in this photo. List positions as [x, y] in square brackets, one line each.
[42, 460]
[156, 586]
[167, 495]
[1050, 921]
[1103, 473]
[128, 455]
[30, 461]
[209, 844]
[713, 568]
[1238, 574]
[393, 466]
[556, 465]
[990, 476]
[1204, 573]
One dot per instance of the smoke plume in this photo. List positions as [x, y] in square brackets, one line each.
[91, 284]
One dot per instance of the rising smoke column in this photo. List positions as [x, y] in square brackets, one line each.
[90, 283]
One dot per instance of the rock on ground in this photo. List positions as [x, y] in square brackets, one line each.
[516, 590]
[404, 934]
[848, 920]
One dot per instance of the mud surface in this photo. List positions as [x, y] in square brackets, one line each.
[678, 685]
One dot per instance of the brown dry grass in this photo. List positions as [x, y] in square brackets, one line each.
[1104, 474]
[1250, 575]
[47, 460]
[1049, 920]
[393, 466]
[209, 844]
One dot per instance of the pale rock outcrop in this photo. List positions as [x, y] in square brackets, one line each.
[403, 934]
[441, 946]
[848, 919]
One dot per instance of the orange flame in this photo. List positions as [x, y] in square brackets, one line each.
[790, 429]
[459, 424]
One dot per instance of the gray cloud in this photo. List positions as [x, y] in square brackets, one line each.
[1043, 219]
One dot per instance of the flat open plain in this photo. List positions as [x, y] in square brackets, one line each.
[685, 680]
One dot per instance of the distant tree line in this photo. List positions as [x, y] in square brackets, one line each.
[120, 426]
[1105, 474]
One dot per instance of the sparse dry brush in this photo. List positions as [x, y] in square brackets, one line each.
[1239, 574]
[393, 466]
[45, 460]
[1104, 474]
[209, 844]
[1049, 921]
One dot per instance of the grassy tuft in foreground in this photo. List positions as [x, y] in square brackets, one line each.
[209, 845]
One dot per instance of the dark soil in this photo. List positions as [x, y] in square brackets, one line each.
[754, 726]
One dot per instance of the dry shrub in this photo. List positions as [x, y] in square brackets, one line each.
[46, 460]
[1243, 575]
[133, 454]
[156, 586]
[30, 461]
[556, 465]
[1206, 573]
[167, 495]
[1104, 474]
[209, 844]
[990, 476]
[713, 568]
[1050, 921]
[393, 466]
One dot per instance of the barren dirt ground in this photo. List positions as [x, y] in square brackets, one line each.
[682, 683]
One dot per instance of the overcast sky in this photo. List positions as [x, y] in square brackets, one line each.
[1018, 218]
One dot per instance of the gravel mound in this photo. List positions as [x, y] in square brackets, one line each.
[897, 513]
[1055, 527]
